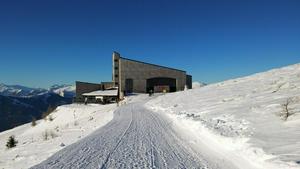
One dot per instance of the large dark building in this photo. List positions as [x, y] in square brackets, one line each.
[139, 77]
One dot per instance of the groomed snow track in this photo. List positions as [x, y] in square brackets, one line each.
[135, 138]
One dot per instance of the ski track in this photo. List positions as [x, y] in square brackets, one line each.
[135, 138]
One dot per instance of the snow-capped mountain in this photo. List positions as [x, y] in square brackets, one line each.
[15, 111]
[63, 90]
[23, 91]
[20, 91]
[19, 104]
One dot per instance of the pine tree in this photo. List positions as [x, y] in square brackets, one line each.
[33, 122]
[12, 142]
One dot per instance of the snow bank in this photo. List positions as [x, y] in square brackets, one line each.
[243, 119]
[196, 85]
[69, 124]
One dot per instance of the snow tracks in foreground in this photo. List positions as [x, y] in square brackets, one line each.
[135, 138]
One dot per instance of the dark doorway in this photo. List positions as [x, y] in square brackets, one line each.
[161, 82]
[129, 85]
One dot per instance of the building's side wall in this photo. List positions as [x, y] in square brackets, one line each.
[189, 81]
[83, 87]
[115, 68]
[140, 72]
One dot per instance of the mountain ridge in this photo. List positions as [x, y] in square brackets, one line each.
[63, 90]
[20, 104]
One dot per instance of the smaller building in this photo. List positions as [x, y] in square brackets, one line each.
[101, 96]
[90, 90]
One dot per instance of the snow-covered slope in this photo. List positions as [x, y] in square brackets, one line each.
[135, 138]
[246, 123]
[244, 118]
[196, 85]
[69, 124]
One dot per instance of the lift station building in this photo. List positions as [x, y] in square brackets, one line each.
[131, 76]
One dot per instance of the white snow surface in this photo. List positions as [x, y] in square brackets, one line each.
[238, 123]
[135, 138]
[102, 93]
[70, 123]
[242, 120]
[196, 85]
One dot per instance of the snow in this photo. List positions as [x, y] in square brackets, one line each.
[196, 85]
[239, 123]
[241, 119]
[70, 123]
[102, 93]
[135, 138]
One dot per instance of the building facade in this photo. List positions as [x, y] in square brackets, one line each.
[140, 77]
[130, 76]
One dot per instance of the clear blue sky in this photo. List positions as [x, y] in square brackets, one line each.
[44, 42]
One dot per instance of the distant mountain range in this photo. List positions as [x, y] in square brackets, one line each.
[22, 91]
[19, 104]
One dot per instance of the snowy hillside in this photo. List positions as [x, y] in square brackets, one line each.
[196, 85]
[254, 119]
[69, 124]
[246, 123]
